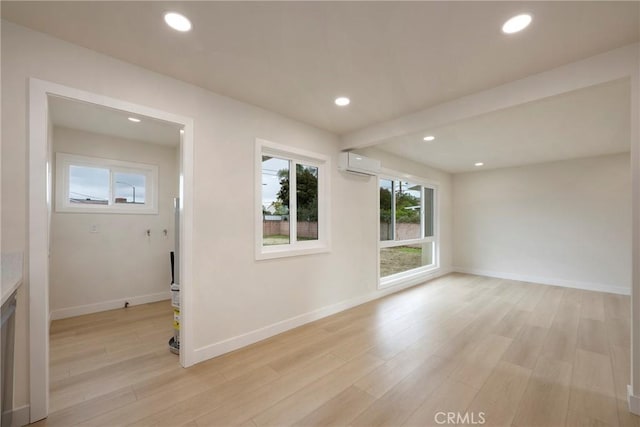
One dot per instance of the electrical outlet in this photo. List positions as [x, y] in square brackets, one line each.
[94, 229]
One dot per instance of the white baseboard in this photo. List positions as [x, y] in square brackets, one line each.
[79, 310]
[20, 416]
[589, 286]
[216, 349]
[633, 401]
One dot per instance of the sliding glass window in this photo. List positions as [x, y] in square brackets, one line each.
[292, 209]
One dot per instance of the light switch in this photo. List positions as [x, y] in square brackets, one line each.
[94, 229]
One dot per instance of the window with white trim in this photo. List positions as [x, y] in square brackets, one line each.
[408, 229]
[292, 198]
[96, 185]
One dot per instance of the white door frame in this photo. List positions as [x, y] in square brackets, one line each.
[39, 223]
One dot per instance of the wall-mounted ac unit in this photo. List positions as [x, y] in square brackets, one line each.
[355, 163]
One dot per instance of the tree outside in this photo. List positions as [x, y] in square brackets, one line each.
[277, 232]
[306, 192]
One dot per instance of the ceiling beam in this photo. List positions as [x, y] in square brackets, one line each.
[608, 66]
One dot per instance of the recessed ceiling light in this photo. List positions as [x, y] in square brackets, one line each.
[517, 23]
[134, 120]
[182, 131]
[479, 164]
[177, 21]
[342, 101]
[429, 138]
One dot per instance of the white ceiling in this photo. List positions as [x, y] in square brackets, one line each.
[583, 123]
[391, 58]
[106, 121]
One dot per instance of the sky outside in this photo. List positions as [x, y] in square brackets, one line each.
[406, 186]
[124, 184]
[270, 180]
[409, 188]
[93, 183]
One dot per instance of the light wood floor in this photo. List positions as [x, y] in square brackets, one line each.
[519, 353]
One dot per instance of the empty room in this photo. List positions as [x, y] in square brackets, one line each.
[320, 213]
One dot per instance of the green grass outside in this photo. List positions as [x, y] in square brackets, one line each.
[281, 239]
[398, 259]
[409, 250]
[275, 239]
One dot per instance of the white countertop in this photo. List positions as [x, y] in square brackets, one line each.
[12, 270]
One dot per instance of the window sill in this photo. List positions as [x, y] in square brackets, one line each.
[415, 275]
[274, 253]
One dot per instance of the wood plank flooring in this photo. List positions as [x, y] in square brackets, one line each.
[521, 354]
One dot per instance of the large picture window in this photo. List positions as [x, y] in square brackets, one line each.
[91, 184]
[408, 237]
[292, 195]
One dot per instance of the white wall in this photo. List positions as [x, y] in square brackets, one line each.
[98, 271]
[233, 293]
[564, 223]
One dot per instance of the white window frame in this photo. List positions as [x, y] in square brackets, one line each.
[63, 163]
[295, 156]
[415, 273]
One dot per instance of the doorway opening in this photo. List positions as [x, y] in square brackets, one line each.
[110, 212]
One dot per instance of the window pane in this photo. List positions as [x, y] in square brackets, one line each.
[386, 206]
[428, 212]
[307, 202]
[88, 185]
[129, 188]
[404, 258]
[408, 207]
[275, 201]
